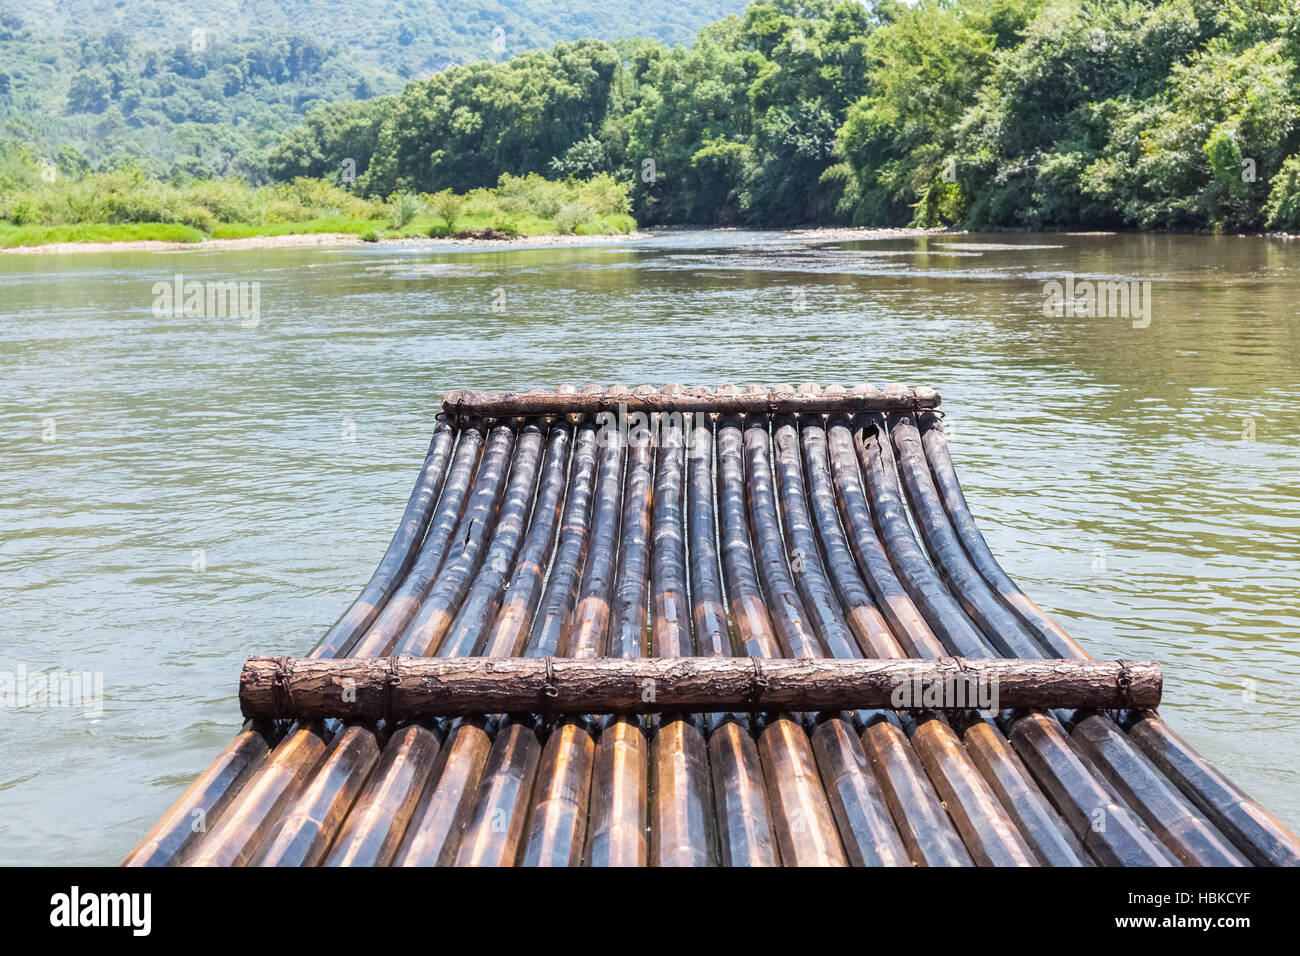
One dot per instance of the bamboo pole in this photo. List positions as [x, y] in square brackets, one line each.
[987, 748]
[556, 611]
[496, 824]
[1054, 762]
[989, 832]
[589, 633]
[1010, 780]
[397, 613]
[524, 590]
[744, 820]
[185, 824]
[804, 550]
[1252, 828]
[749, 616]
[385, 805]
[313, 819]
[471, 620]
[204, 799]
[754, 400]
[906, 622]
[237, 834]
[465, 553]
[557, 814]
[1169, 815]
[924, 826]
[864, 824]
[869, 627]
[402, 550]
[789, 616]
[617, 818]
[557, 817]
[805, 822]
[682, 824]
[434, 834]
[375, 826]
[631, 590]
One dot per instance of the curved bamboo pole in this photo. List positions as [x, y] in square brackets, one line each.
[250, 816]
[905, 619]
[372, 830]
[1164, 809]
[524, 590]
[556, 611]
[1119, 834]
[467, 817]
[465, 551]
[397, 613]
[211, 794]
[805, 822]
[468, 629]
[744, 820]
[618, 814]
[557, 817]
[402, 550]
[682, 825]
[988, 749]
[869, 627]
[443, 811]
[1255, 831]
[988, 829]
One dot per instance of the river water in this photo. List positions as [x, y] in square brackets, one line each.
[176, 492]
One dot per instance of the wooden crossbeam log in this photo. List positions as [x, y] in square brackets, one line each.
[727, 399]
[409, 687]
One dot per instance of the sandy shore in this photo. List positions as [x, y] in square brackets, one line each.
[315, 240]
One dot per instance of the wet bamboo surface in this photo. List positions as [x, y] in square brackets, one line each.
[752, 522]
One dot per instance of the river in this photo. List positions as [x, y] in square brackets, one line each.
[177, 492]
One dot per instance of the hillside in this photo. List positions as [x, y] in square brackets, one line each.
[205, 88]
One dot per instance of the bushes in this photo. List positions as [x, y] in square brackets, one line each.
[1283, 206]
[572, 215]
[232, 208]
[402, 209]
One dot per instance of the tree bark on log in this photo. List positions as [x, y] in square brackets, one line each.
[410, 687]
[754, 400]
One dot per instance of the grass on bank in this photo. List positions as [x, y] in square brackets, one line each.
[125, 206]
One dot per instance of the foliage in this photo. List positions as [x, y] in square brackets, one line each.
[983, 113]
[125, 203]
[206, 89]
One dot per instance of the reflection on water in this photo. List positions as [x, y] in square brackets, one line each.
[176, 493]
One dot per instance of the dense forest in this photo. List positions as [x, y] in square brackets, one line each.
[1032, 113]
[206, 88]
[985, 113]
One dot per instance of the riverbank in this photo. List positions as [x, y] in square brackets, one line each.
[343, 239]
[314, 240]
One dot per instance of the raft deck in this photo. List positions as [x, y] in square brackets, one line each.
[675, 522]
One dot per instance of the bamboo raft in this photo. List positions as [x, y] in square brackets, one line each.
[607, 536]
